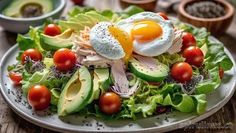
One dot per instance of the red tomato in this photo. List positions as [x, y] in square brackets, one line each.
[182, 72]
[34, 54]
[64, 59]
[52, 30]
[221, 72]
[110, 103]
[188, 40]
[163, 15]
[194, 56]
[78, 2]
[15, 77]
[39, 97]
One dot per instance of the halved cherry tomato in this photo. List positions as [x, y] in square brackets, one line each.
[188, 40]
[34, 54]
[194, 56]
[163, 15]
[39, 97]
[15, 77]
[52, 30]
[109, 103]
[64, 59]
[181, 72]
[221, 72]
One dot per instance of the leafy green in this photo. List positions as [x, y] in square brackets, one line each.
[79, 10]
[169, 59]
[217, 57]
[200, 103]
[34, 34]
[55, 95]
[30, 80]
[25, 42]
[131, 10]
[208, 85]
[183, 103]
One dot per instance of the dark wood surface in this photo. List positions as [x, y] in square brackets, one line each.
[222, 121]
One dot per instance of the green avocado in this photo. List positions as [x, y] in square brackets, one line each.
[78, 22]
[148, 74]
[101, 82]
[76, 93]
[27, 8]
[72, 25]
[64, 40]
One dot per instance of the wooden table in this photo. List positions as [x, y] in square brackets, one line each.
[12, 123]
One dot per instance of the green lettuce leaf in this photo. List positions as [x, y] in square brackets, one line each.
[200, 103]
[30, 80]
[170, 59]
[183, 103]
[217, 57]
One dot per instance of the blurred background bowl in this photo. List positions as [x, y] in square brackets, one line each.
[148, 5]
[216, 26]
[21, 25]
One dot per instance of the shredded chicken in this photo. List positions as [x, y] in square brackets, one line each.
[121, 82]
[96, 60]
[177, 43]
[83, 38]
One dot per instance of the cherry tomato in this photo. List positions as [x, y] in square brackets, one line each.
[34, 54]
[78, 2]
[163, 15]
[39, 97]
[182, 72]
[109, 103]
[188, 40]
[194, 56]
[15, 77]
[52, 30]
[221, 72]
[64, 59]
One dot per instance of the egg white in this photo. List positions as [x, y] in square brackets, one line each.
[157, 46]
[104, 43]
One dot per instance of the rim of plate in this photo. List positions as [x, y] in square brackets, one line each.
[161, 128]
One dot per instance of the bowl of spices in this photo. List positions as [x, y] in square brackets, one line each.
[18, 15]
[215, 15]
[148, 5]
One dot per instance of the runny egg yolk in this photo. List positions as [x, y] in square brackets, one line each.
[145, 31]
[124, 39]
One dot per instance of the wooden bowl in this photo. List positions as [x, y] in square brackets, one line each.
[148, 5]
[216, 26]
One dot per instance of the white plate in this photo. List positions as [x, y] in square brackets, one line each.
[160, 123]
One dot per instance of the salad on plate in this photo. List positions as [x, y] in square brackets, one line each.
[110, 65]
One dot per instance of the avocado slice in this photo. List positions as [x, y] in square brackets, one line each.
[101, 82]
[63, 40]
[148, 74]
[78, 22]
[15, 9]
[76, 93]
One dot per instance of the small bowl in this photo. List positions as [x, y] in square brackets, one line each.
[215, 25]
[148, 5]
[21, 25]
